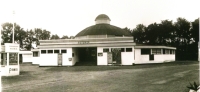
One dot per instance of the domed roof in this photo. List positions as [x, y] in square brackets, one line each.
[103, 29]
[102, 16]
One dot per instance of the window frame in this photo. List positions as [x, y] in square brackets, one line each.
[49, 51]
[149, 51]
[156, 51]
[55, 51]
[37, 54]
[167, 51]
[129, 49]
[43, 52]
[63, 50]
[106, 50]
[123, 50]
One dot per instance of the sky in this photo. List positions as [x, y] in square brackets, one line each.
[68, 17]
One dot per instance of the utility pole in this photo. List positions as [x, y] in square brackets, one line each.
[13, 40]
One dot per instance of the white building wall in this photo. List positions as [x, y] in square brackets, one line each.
[27, 58]
[127, 58]
[52, 59]
[75, 57]
[199, 54]
[142, 59]
[66, 57]
[158, 58]
[169, 58]
[101, 60]
[48, 60]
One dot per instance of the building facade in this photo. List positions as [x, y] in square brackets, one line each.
[99, 44]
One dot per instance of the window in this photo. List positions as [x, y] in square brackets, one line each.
[156, 51]
[50, 51]
[13, 58]
[106, 50]
[63, 51]
[3, 58]
[56, 51]
[128, 49]
[172, 51]
[35, 54]
[43, 51]
[122, 50]
[145, 51]
[167, 51]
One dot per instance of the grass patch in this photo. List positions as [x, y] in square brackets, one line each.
[165, 77]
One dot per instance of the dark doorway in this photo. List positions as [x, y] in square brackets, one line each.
[116, 55]
[87, 56]
[59, 59]
[20, 58]
[151, 56]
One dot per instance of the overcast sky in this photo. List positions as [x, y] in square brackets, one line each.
[68, 17]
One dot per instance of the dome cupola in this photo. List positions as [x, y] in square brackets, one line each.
[102, 19]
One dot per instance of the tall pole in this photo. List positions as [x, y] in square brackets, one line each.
[0, 57]
[13, 27]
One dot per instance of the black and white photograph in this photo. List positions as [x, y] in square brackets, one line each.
[99, 46]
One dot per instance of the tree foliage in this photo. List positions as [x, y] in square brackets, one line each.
[24, 38]
[55, 37]
[181, 34]
[64, 37]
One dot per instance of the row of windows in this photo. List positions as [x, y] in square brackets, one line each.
[36, 53]
[53, 51]
[120, 49]
[157, 51]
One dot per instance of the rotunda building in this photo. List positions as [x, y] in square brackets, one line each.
[102, 29]
[99, 44]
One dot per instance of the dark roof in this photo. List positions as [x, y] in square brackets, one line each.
[102, 16]
[103, 29]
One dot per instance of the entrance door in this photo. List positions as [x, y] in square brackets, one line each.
[59, 59]
[151, 56]
[20, 58]
[116, 54]
[87, 56]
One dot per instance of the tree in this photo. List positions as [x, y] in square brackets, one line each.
[6, 32]
[38, 33]
[167, 34]
[72, 37]
[7, 35]
[20, 35]
[55, 37]
[65, 37]
[182, 28]
[45, 35]
[139, 33]
[195, 31]
[127, 30]
[152, 34]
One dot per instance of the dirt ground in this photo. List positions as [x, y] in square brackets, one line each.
[169, 77]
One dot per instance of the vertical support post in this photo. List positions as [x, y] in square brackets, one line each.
[13, 27]
[7, 57]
